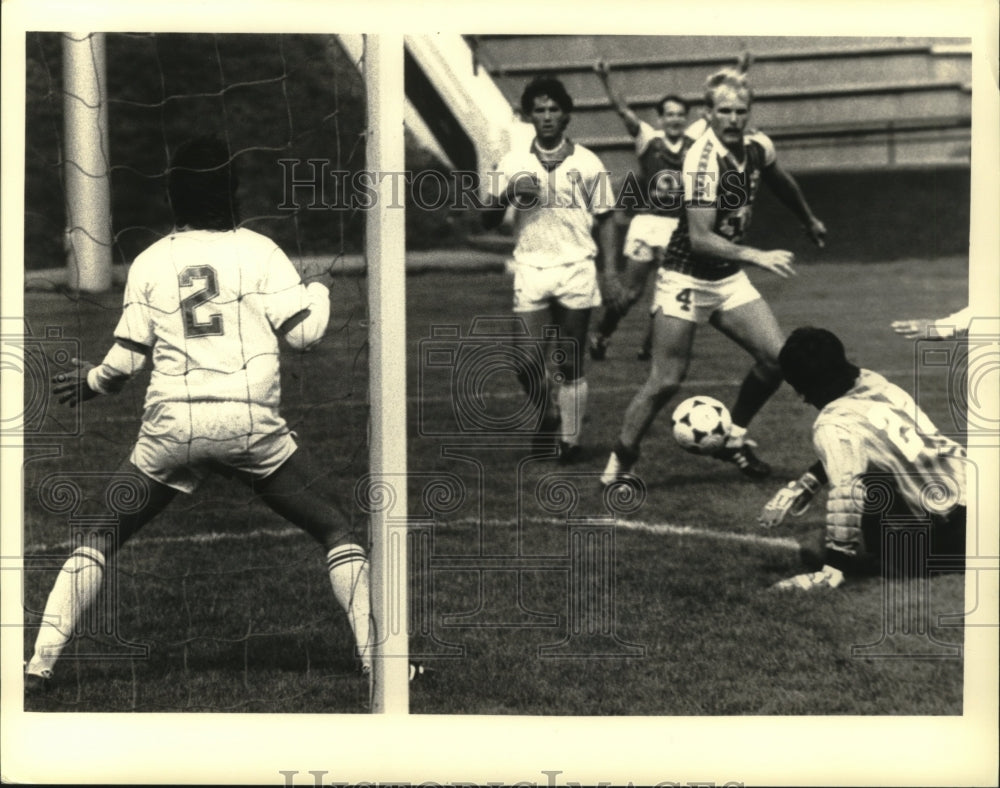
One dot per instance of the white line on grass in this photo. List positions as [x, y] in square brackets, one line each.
[660, 529]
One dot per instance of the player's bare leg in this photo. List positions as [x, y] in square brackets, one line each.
[572, 391]
[82, 575]
[672, 342]
[291, 492]
[753, 327]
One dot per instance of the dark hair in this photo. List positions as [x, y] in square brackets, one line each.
[545, 86]
[201, 185]
[815, 365]
[673, 98]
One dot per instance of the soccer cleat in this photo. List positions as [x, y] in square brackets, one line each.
[419, 671]
[598, 346]
[570, 453]
[827, 577]
[615, 470]
[744, 458]
[37, 683]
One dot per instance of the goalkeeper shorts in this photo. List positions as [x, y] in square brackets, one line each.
[180, 443]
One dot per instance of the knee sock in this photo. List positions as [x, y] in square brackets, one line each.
[347, 565]
[754, 393]
[70, 599]
[572, 408]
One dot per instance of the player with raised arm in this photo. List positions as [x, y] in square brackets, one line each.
[565, 247]
[204, 306]
[701, 279]
[868, 427]
[659, 195]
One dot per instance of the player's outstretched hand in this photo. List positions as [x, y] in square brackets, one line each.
[777, 261]
[912, 329]
[794, 498]
[71, 386]
[816, 231]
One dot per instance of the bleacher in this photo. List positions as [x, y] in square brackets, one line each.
[829, 103]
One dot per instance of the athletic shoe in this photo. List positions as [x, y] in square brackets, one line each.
[570, 454]
[37, 683]
[743, 457]
[598, 346]
[419, 671]
[615, 470]
[827, 577]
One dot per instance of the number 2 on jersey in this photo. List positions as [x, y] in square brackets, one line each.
[902, 435]
[192, 326]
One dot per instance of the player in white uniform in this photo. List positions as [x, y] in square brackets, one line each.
[205, 306]
[701, 279]
[562, 199]
[870, 431]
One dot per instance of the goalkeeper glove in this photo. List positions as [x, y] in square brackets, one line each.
[793, 498]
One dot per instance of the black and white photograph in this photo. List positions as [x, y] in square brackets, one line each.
[594, 395]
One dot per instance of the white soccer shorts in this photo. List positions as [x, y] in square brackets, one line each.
[695, 300]
[180, 444]
[645, 232]
[573, 285]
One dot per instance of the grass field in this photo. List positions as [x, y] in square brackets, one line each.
[235, 608]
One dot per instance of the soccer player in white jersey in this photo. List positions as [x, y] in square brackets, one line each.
[701, 278]
[204, 306]
[868, 426]
[565, 247]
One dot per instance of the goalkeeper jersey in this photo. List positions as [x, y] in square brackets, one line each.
[877, 428]
[208, 304]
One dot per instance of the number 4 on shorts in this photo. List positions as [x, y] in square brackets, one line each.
[684, 297]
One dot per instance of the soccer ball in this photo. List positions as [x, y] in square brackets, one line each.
[701, 425]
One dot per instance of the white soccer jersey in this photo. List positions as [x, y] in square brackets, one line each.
[557, 230]
[208, 303]
[877, 428]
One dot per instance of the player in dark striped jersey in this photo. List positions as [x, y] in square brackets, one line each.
[702, 281]
[869, 431]
[656, 193]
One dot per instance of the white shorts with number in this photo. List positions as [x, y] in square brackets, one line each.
[683, 296]
[573, 285]
[180, 444]
[645, 232]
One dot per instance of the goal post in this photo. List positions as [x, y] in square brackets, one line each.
[385, 251]
[86, 163]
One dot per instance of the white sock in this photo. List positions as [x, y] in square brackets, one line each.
[74, 591]
[348, 569]
[572, 407]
